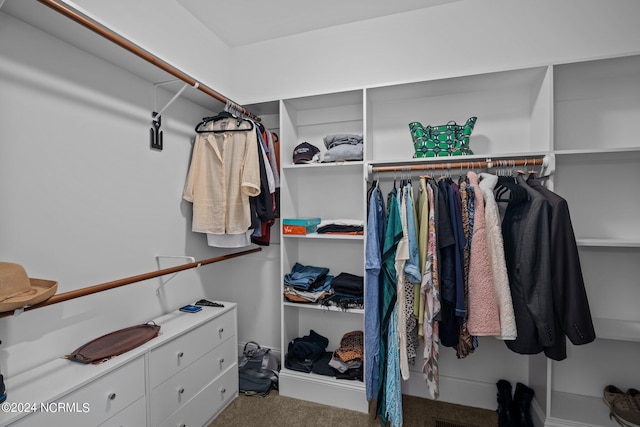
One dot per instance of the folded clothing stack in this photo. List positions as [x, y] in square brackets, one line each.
[302, 352]
[347, 359]
[308, 277]
[348, 284]
[347, 291]
[341, 226]
[343, 147]
[306, 283]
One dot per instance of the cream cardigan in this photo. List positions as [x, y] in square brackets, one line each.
[224, 173]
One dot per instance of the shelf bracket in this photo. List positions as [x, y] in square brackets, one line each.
[164, 282]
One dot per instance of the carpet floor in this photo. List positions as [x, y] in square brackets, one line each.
[280, 411]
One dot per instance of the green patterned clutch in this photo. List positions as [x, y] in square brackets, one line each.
[444, 140]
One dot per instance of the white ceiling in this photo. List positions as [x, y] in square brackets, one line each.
[240, 22]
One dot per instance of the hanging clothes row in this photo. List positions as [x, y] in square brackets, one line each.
[450, 261]
[233, 181]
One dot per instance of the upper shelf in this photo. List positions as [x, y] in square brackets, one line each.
[598, 151]
[322, 165]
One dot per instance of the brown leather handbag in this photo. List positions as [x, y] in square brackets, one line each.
[112, 344]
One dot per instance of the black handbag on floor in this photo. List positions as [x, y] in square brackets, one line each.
[258, 370]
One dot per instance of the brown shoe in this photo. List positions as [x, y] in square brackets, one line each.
[635, 395]
[625, 409]
[611, 393]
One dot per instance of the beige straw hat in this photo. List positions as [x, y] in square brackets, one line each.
[18, 290]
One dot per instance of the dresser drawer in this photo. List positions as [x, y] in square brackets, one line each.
[95, 402]
[202, 407]
[135, 415]
[169, 396]
[179, 353]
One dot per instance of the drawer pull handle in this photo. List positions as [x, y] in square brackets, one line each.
[221, 330]
[223, 390]
[181, 390]
[221, 360]
[180, 354]
[183, 425]
[112, 396]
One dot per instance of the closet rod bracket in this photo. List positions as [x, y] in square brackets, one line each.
[164, 282]
[156, 118]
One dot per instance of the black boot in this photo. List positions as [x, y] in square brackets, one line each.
[3, 392]
[505, 418]
[521, 410]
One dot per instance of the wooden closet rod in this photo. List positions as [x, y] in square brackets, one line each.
[470, 164]
[137, 50]
[77, 293]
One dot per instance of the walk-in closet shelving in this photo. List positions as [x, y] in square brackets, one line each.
[328, 191]
[581, 115]
[514, 111]
[596, 105]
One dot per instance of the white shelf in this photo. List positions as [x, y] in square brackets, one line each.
[329, 236]
[577, 410]
[597, 151]
[478, 157]
[616, 329]
[604, 243]
[314, 306]
[353, 384]
[345, 164]
[349, 394]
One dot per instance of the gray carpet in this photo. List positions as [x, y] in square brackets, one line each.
[279, 411]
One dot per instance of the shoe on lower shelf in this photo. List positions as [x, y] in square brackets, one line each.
[611, 393]
[625, 408]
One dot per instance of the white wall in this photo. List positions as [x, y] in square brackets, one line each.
[166, 29]
[460, 38]
[84, 198]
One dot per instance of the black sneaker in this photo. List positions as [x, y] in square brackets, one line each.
[3, 393]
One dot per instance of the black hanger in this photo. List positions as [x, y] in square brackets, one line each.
[517, 194]
[221, 116]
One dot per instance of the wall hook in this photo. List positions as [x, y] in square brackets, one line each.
[156, 118]
[156, 133]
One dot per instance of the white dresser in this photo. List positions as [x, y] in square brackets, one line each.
[183, 378]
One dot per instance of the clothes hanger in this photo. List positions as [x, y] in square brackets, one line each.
[374, 183]
[508, 184]
[403, 179]
[462, 177]
[221, 116]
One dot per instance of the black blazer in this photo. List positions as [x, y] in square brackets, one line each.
[525, 229]
[570, 303]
